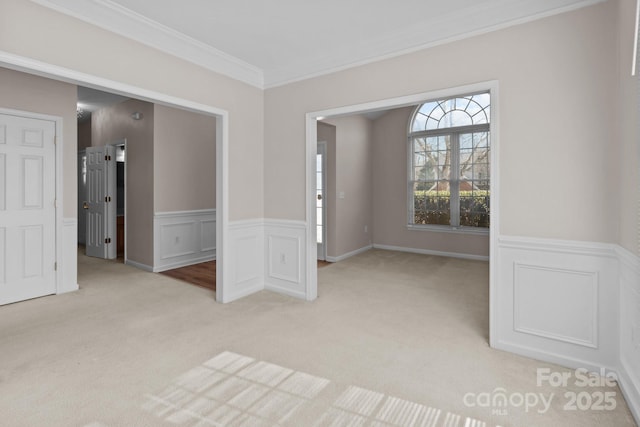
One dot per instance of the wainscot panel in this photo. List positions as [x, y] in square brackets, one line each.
[285, 260]
[183, 238]
[246, 247]
[558, 301]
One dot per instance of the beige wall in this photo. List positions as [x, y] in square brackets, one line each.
[70, 43]
[627, 163]
[353, 163]
[557, 87]
[390, 194]
[184, 160]
[34, 94]
[114, 123]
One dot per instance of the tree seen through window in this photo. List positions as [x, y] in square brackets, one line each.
[450, 162]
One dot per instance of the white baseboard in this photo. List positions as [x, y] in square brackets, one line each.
[349, 254]
[139, 265]
[183, 238]
[183, 263]
[432, 252]
[630, 387]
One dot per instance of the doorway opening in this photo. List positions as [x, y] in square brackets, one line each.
[148, 200]
[314, 118]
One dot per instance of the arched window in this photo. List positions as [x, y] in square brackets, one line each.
[449, 165]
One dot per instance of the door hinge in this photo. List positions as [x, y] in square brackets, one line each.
[55, 140]
[55, 266]
[107, 199]
[55, 203]
[107, 240]
[107, 157]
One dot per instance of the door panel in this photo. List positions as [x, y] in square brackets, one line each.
[101, 202]
[27, 208]
[320, 201]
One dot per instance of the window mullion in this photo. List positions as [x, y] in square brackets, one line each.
[454, 177]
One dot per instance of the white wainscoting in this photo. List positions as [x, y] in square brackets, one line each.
[558, 301]
[285, 257]
[183, 238]
[246, 250]
[68, 260]
[629, 372]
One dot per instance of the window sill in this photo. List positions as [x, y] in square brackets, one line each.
[449, 229]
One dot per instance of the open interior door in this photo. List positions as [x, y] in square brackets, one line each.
[100, 206]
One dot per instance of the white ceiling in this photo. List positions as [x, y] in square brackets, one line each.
[272, 42]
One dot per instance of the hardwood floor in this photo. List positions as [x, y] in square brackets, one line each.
[203, 274]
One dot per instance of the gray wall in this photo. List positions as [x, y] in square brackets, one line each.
[21, 91]
[558, 93]
[103, 55]
[350, 214]
[184, 160]
[114, 123]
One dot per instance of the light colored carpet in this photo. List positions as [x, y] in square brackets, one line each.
[393, 340]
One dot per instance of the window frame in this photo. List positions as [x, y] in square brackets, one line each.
[454, 132]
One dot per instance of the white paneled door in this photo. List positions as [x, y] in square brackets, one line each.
[321, 216]
[27, 208]
[100, 205]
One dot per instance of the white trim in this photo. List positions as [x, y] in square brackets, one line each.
[55, 72]
[432, 252]
[448, 229]
[69, 264]
[176, 214]
[284, 290]
[349, 254]
[630, 387]
[311, 148]
[113, 17]
[139, 265]
[636, 35]
[116, 18]
[179, 264]
[573, 247]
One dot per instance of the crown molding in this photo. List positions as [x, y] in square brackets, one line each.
[111, 16]
[441, 33]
